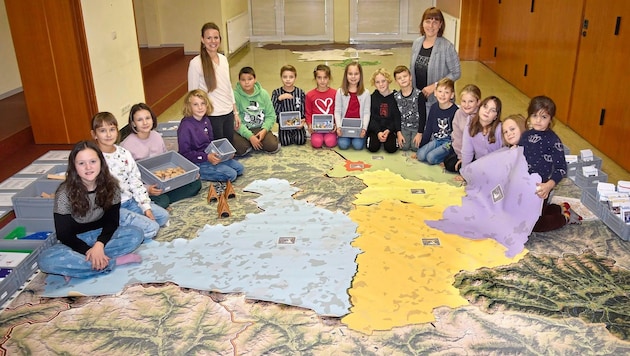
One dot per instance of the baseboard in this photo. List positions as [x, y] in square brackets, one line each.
[11, 93]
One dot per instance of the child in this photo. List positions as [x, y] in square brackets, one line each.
[321, 100]
[194, 134]
[257, 115]
[86, 214]
[436, 138]
[384, 123]
[412, 107]
[513, 127]
[483, 133]
[136, 207]
[143, 143]
[470, 98]
[544, 153]
[289, 98]
[352, 101]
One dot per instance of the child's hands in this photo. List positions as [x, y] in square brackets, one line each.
[400, 139]
[382, 136]
[339, 132]
[428, 90]
[543, 189]
[154, 190]
[416, 139]
[255, 141]
[458, 164]
[302, 123]
[363, 133]
[149, 214]
[261, 134]
[213, 158]
[285, 96]
[96, 256]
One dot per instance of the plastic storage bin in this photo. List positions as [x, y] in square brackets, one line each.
[350, 127]
[168, 129]
[25, 269]
[8, 286]
[322, 122]
[29, 203]
[588, 182]
[222, 148]
[591, 201]
[170, 159]
[290, 120]
[617, 225]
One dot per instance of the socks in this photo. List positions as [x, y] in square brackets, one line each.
[128, 258]
[570, 214]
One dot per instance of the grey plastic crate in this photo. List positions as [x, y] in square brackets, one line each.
[8, 286]
[597, 162]
[617, 225]
[29, 203]
[28, 266]
[591, 201]
[323, 122]
[170, 159]
[350, 127]
[290, 120]
[588, 182]
[222, 148]
[168, 129]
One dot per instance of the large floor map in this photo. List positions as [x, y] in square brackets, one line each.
[364, 275]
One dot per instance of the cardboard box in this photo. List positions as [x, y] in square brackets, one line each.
[323, 122]
[222, 148]
[290, 120]
[170, 159]
[350, 127]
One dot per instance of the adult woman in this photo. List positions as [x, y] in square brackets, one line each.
[210, 71]
[86, 213]
[433, 57]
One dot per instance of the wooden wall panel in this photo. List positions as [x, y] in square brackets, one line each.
[470, 30]
[52, 56]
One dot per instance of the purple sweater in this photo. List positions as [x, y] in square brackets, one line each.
[193, 137]
[478, 146]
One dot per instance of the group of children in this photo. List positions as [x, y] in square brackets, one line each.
[122, 218]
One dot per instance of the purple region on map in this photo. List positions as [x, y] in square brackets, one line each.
[500, 201]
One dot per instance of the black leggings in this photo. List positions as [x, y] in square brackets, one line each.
[223, 127]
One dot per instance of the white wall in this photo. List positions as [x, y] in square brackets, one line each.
[114, 56]
[10, 81]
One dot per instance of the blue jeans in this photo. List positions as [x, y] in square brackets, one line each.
[131, 215]
[222, 172]
[61, 259]
[357, 143]
[435, 151]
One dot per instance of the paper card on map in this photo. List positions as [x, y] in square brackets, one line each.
[286, 240]
[431, 241]
[377, 157]
[37, 169]
[5, 199]
[60, 155]
[16, 183]
[417, 191]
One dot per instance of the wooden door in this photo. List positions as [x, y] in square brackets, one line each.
[514, 21]
[52, 55]
[614, 94]
[600, 92]
[551, 50]
[489, 30]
